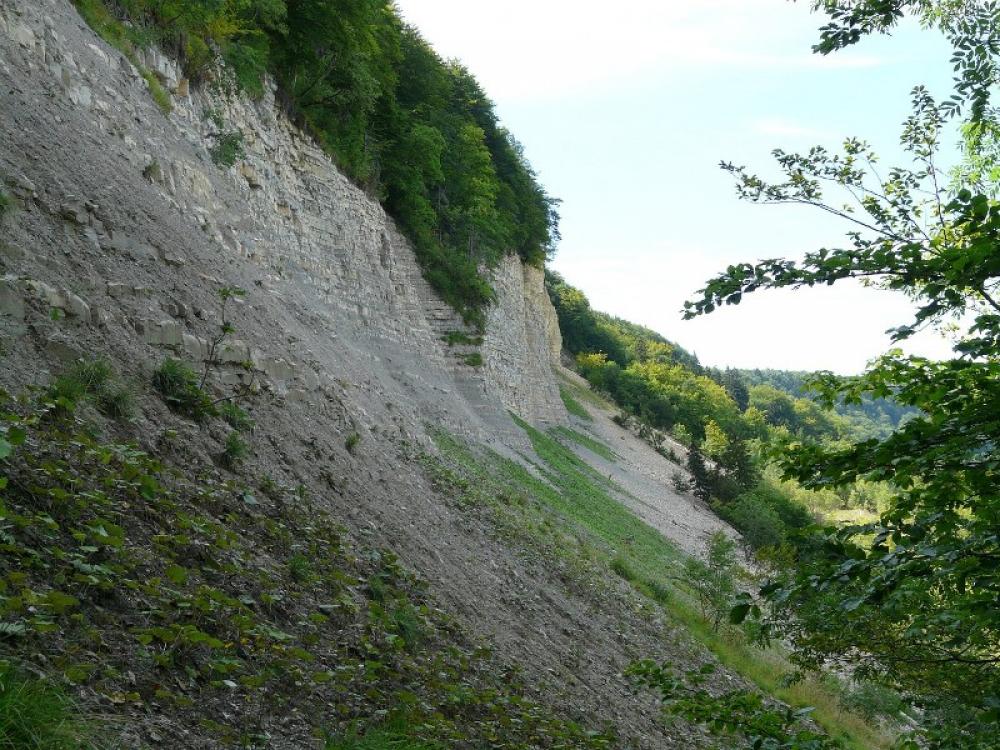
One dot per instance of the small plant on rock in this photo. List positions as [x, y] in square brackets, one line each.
[352, 442]
[234, 452]
[6, 203]
[228, 148]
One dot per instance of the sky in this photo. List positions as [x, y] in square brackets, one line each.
[625, 113]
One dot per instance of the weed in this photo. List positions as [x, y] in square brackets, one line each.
[392, 735]
[36, 715]
[234, 452]
[117, 402]
[300, 568]
[573, 406]
[473, 360]
[352, 442]
[178, 385]
[153, 171]
[6, 203]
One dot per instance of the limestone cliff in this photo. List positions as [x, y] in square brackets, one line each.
[145, 200]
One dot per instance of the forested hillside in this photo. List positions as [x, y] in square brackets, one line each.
[413, 130]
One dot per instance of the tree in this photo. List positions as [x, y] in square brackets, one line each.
[701, 480]
[915, 608]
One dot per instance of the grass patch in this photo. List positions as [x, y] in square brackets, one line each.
[36, 715]
[6, 203]
[573, 406]
[236, 416]
[178, 385]
[473, 360]
[92, 380]
[592, 445]
[352, 442]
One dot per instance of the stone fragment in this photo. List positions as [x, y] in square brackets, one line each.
[166, 333]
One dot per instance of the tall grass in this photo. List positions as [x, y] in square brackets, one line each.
[37, 715]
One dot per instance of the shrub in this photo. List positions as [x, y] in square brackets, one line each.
[872, 700]
[352, 441]
[36, 715]
[474, 360]
[300, 568]
[178, 385]
[713, 580]
[680, 482]
[94, 380]
[228, 148]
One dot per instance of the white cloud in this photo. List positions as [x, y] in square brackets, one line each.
[534, 48]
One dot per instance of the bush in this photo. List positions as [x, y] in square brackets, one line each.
[178, 385]
[117, 402]
[35, 715]
[621, 568]
[872, 701]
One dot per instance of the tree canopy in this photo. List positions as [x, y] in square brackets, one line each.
[910, 599]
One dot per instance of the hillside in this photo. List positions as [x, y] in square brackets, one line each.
[263, 485]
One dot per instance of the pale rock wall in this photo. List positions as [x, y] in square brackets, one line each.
[522, 344]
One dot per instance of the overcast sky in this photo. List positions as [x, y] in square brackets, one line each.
[625, 113]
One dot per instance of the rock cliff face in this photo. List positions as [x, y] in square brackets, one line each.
[135, 195]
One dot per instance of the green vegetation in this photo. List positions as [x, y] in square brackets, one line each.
[455, 338]
[572, 518]
[6, 203]
[594, 446]
[35, 714]
[352, 442]
[228, 148]
[235, 416]
[907, 599]
[178, 384]
[95, 381]
[473, 360]
[152, 588]
[412, 130]
[738, 715]
[234, 451]
[573, 406]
